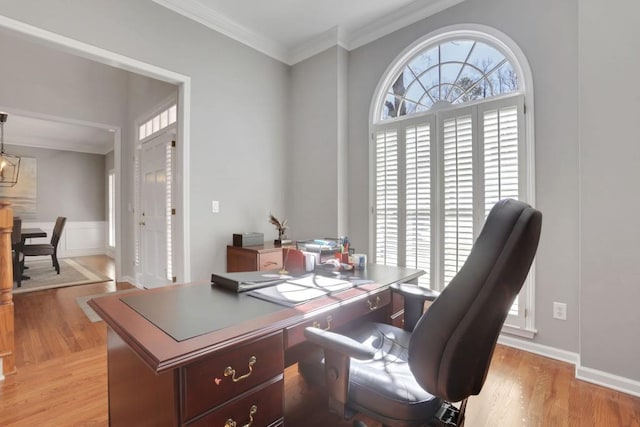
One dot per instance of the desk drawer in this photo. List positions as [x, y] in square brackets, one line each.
[261, 408]
[331, 320]
[270, 260]
[211, 382]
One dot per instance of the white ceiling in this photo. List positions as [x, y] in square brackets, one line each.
[293, 30]
[55, 134]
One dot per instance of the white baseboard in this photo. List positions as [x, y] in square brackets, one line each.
[604, 379]
[539, 349]
[132, 281]
[608, 380]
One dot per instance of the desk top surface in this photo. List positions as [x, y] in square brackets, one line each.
[238, 317]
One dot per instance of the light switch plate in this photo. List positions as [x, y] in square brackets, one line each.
[215, 206]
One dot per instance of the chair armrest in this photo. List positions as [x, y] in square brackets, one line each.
[338, 350]
[409, 290]
[414, 298]
[338, 343]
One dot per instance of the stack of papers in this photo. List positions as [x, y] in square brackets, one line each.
[297, 291]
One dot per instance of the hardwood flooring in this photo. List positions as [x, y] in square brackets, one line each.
[61, 379]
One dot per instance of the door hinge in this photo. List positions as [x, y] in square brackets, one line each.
[173, 211]
[173, 143]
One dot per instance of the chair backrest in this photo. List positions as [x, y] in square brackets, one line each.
[16, 231]
[57, 230]
[452, 345]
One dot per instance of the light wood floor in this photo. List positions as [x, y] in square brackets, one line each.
[61, 379]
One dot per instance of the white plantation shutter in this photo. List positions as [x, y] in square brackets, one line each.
[457, 193]
[418, 199]
[500, 155]
[386, 191]
[502, 142]
[436, 178]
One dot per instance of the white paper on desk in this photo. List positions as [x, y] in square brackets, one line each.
[328, 284]
[295, 293]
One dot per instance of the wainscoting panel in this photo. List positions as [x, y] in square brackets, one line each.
[79, 238]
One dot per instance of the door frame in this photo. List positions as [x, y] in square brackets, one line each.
[182, 199]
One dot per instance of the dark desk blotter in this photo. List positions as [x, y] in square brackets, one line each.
[186, 312]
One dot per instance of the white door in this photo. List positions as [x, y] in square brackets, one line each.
[154, 219]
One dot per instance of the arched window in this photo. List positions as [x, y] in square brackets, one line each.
[452, 72]
[450, 139]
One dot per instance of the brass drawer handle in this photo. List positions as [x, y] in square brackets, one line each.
[229, 371]
[316, 324]
[231, 423]
[374, 306]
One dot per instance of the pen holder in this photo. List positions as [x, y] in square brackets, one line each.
[359, 261]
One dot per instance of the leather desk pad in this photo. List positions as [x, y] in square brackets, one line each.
[186, 312]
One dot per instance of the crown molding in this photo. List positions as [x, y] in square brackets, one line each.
[328, 39]
[208, 17]
[401, 18]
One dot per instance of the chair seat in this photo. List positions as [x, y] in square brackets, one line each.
[384, 382]
[41, 249]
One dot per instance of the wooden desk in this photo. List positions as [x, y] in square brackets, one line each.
[157, 380]
[254, 258]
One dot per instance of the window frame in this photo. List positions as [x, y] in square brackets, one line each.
[525, 324]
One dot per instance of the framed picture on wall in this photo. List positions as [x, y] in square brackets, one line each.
[22, 196]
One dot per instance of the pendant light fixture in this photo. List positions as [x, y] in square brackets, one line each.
[9, 164]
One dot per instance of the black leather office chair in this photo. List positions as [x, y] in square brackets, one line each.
[48, 248]
[409, 378]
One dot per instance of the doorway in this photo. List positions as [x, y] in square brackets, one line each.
[155, 220]
[181, 194]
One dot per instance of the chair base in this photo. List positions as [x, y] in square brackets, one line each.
[448, 415]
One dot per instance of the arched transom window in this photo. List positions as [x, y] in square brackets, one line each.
[453, 72]
[449, 140]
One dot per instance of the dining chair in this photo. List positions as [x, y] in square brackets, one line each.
[48, 248]
[16, 247]
[413, 376]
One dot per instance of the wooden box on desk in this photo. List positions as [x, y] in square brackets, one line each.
[254, 258]
[248, 239]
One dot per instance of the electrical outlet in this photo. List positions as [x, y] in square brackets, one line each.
[215, 206]
[560, 310]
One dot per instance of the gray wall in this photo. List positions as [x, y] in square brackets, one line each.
[312, 202]
[42, 80]
[609, 177]
[69, 184]
[318, 151]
